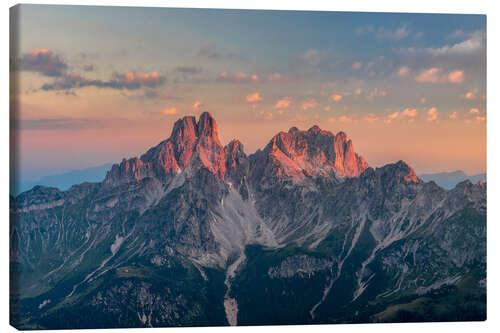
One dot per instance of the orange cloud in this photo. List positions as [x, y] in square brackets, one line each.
[437, 75]
[391, 117]
[197, 105]
[169, 111]
[344, 119]
[429, 75]
[371, 117]
[341, 119]
[142, 78]
[423, 100]
[37, 52]
[411, 113]
[456, 76]
[253, 98]
[283, 103]
[265, 115]
[403, 71]
[335, 98]
[453, 116]
[432, 114]
[473, 111]
[312, 103]
[471, 95]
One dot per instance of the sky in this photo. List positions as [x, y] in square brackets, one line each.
[93, 85]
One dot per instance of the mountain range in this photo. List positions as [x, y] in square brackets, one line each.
[194, 233]
[64, 181]
[449, 180]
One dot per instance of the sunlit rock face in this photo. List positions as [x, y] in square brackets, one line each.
[294, 154]
[190, 143]
[297, 154]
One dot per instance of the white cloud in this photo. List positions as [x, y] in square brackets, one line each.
[474, 44]
[468, 46]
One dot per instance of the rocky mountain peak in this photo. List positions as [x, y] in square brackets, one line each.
[295, 154]
[399, 172]
[407, 172]
[185, 129]
[234, 146]
[314, 152]
[190, 143]
[207, 126]
[315, 129]
[237, 162]
[341, 136]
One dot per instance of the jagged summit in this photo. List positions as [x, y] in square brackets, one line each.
[207, 126]
[187, 129]
[393, 173]
[192, 144]
[314, 152]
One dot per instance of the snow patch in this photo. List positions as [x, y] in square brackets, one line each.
[116, 245]
[45, 302]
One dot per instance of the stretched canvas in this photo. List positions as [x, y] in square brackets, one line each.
[209, 167]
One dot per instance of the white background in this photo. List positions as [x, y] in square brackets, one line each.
[422, 6]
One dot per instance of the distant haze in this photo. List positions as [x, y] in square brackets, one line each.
[449, 180]
[65, 180]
